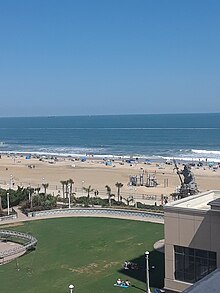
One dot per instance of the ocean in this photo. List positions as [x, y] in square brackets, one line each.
[154, 137]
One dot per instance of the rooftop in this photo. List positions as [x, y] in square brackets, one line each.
[203, 201]
[215, 204]
[210, 283]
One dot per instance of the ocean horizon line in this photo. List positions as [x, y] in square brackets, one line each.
[111, 115]
[116, 128]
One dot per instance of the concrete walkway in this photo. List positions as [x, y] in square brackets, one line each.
[5, 246]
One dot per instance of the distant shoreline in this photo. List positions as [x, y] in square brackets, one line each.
[125, 158]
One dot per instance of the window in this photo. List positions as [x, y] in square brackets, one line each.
[192, 264]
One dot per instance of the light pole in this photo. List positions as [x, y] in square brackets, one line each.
[8, 202]
[135, 199]
[29, 192]
[71, 287]
[83, 187]
[42, 181]
[147, 272]
[69, 194]
[11, 179]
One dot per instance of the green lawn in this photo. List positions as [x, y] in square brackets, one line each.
[88, 252]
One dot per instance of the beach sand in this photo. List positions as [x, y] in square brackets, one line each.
[34, 171]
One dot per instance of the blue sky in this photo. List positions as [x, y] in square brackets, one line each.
[68, 57]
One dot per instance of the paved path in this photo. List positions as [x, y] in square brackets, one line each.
[5, 246]
[20, 215]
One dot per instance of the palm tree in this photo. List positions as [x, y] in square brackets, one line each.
[70, 182]
[45, 186]
[119, 185]
[20, 188]
[30, 192]
[66, 188]
[37, 189]
[129, 199]
[108, 189]
[88, 190]
[63, 186]
[109, 194]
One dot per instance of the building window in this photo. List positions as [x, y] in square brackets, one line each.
[192, 264]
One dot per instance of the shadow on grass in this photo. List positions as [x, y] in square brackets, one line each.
[136, 287]
[156, 269]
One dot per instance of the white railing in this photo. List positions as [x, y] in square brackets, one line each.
[5, 218]
[30, 242]
[99, 211]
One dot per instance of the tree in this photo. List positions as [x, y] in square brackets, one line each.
[129, 199]
[30, 193]
[37, 189]
[16, 196]
[108, 189]
[119, 185]
[109, 194]
[44, 201]
[20, 188]
[63, 187]
[88, 190]
[70, 182]
[66, 188]
[45, 186]
[49, 201]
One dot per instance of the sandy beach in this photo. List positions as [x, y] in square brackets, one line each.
[17, 170]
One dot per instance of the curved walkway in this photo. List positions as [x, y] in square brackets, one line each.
[15, 248]
[10, 249]
[88, 212]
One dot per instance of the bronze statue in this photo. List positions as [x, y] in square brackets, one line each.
[188, 185]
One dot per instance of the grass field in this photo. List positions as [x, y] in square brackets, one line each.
[88, 252]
